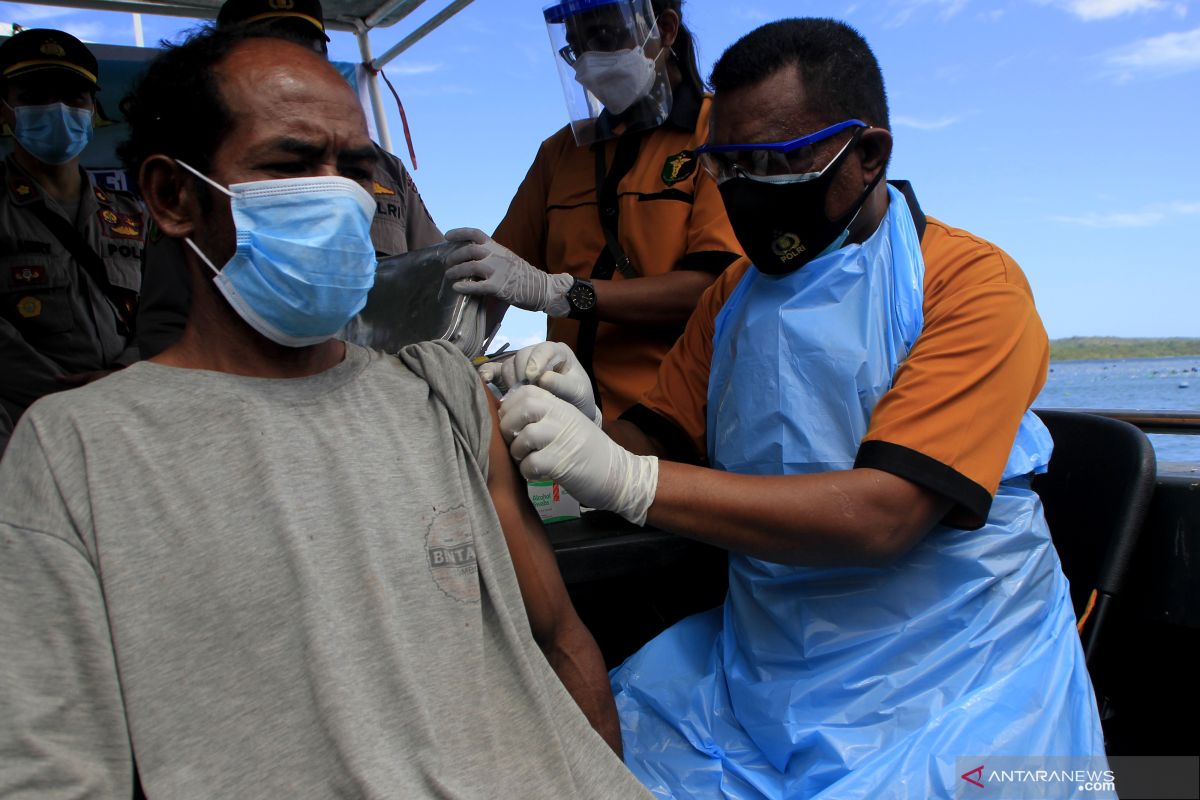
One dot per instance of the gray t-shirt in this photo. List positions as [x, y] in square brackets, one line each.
[273, 588]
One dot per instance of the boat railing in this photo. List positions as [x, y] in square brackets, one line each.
[1168, 422]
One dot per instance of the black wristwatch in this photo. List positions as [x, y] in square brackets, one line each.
[582, 299]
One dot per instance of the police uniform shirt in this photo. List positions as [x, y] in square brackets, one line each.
[401, 223]
[54, 320]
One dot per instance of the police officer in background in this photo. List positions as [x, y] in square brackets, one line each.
[70, 251]
[401, 222]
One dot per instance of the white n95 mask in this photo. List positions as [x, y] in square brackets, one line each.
[618, 78]
[304, 262]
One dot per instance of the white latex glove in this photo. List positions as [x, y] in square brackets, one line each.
[553, 441]
[550, 365]
[488, 268]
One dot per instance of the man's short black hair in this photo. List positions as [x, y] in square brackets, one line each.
[841, 76]
[176, 107]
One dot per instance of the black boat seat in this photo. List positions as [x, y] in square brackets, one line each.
[1096, 493]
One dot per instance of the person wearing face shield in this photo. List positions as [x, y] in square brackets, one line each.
[267, 562]
[615, 232]
[401, 222]
[70, 250]
[850, 418]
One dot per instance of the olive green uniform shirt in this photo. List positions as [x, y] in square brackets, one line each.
[54, 319]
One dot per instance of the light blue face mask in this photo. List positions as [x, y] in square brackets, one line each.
[54, 133]
[304, 262]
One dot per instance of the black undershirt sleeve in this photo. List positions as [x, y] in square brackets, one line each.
[676, 444]
[971, 501]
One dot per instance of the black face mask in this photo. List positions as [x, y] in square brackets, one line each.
[782, 226]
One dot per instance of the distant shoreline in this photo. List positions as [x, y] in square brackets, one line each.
[1112, 348]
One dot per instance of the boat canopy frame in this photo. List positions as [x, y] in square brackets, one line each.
[359, 17]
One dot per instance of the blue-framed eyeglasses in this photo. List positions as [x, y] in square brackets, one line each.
[772, 159]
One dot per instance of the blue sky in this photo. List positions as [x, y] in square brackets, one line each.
[1061, 130]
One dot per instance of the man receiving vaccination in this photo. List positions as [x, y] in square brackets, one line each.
[70, 251]
[401, 222]
[861, 396]
[267, 563]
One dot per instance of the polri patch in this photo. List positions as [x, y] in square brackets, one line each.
[380, 189]
[29, 276]
[29, 307]
[101, 196]
[678, 167]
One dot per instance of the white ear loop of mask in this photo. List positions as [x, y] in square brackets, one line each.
[208, 262]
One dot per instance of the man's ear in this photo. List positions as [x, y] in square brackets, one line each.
[668, 28]
[875, 145]
[169, 193]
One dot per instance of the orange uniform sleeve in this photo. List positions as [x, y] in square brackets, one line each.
[523, 229]
[951, 416]
[675, 410]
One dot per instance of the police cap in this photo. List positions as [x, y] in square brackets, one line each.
[248, 12]
[38, 49]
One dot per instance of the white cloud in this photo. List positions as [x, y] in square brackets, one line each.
[1144, 218]
[925, 124]
[408, 68]
[1170, 53]
[904, 10]
[756, 15]
[1090, 10]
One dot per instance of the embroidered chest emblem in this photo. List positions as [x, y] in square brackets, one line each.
[678, 167]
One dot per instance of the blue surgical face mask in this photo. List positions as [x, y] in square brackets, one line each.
[304, 262]
[54, 133]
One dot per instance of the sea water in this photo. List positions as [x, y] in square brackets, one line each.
[1142, 384]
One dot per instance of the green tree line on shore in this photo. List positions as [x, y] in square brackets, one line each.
[1106, 348]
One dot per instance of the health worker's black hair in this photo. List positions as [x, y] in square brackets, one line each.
[841, 76]
[685, 45]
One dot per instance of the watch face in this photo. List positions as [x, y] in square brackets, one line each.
[582, 296]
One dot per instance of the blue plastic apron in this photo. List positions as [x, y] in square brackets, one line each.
[855, 682]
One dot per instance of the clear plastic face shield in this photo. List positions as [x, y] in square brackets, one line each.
[612, 65]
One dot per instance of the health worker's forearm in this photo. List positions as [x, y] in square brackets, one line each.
[858, 516]
[666, 299]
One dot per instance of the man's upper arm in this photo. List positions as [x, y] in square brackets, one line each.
[951, 417]
[64, 731]
[545, 596]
